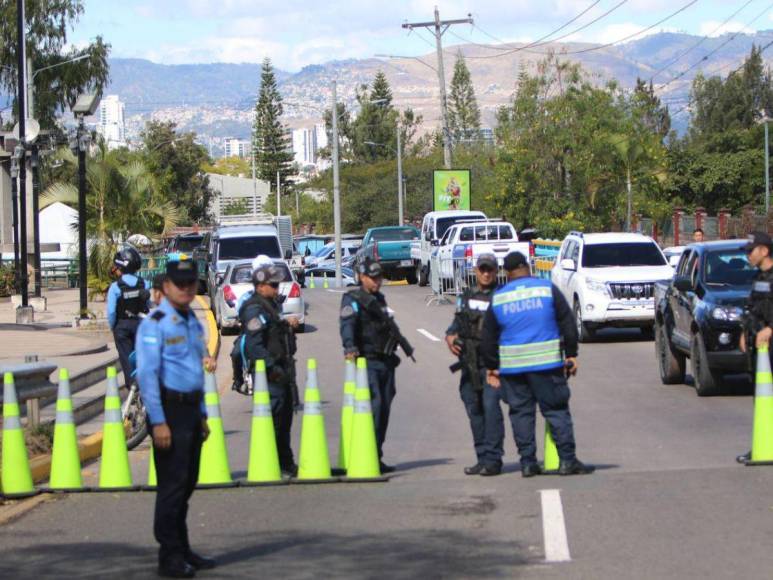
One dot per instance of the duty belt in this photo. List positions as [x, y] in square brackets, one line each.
[172, 396]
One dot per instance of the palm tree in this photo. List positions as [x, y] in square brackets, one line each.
[122, 199]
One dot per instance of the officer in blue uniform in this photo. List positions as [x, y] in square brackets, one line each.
[171, 358]
[530, 348]
[481, 401]
[128, 300]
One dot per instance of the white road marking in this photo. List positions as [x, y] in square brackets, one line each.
[554, 527]
[337, 291]
[428, 334]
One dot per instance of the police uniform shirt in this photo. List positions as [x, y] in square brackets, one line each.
[478, 300]
[114, 294]
[170, 350]
[353, 337]
[761, 300]
[259, 317]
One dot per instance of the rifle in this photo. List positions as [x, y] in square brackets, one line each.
[468, 358]
[395, 336]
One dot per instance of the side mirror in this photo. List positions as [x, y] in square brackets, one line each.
[289, 255]
[307, 252]
[683, 283]
[219, 279]
[427, 236]
[435, 242]
[568, 264]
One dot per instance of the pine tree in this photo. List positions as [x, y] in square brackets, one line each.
[375, 128]
[270, 143]
[463, 111]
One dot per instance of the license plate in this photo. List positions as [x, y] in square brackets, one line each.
[406, 263]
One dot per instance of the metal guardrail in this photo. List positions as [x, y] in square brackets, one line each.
[451, 277]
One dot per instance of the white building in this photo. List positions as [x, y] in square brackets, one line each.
[237, 148]
[307, 143]
[112, 125]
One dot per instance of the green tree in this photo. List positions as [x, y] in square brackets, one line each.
[48, 24]
[463, 111]
[237, 207]
[236, 166]
[273, 151]
[176, 161]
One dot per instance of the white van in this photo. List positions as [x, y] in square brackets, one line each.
[433, 227]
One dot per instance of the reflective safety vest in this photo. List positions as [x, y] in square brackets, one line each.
[529, 338]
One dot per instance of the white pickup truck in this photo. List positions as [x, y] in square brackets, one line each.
[463, 242]
[433, 228]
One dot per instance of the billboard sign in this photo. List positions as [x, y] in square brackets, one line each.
[451, 189]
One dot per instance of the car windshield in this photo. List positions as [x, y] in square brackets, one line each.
[323, 250]
[728, 268]
[248, 248]
[444, 223]
[395, 234]
[187, 244]
[243, 274]
[622, 255]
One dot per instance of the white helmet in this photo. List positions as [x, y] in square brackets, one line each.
[261, 260]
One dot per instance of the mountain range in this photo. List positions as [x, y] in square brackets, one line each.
[216, 100]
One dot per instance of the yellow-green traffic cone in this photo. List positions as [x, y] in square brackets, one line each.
[152, 478]
[65, 459]
[114, 469]
[363, 460]
[16, 476]
[762, 433]
[213, 467]
[347, 411]
[311, 282]
[325, 285]
[264, 459]
[314, 461]
[551, 451]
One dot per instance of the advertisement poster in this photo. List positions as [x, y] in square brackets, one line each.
[452, 189]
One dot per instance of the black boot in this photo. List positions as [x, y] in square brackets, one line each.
[746, 457]
[530, 470]
[176, 567]
[473, 469]
[199, 562]
[574, 467]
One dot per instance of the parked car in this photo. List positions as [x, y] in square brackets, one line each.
[326, 255]
[699, 315]
[609, 279]
[237, 281]
[672, 254]
[433, 228]
[319, 274]
[184, 243]
[391, 246]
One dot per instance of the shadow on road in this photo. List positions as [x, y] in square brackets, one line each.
[622, 335]
[409, 465]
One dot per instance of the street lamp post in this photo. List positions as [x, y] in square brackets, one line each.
[767, 169]
[336, 187]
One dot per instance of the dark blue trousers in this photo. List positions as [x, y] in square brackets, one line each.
[548, 389]
[486, 421]
[381, 380]
[125, 334]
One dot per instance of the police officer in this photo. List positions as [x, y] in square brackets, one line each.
[267, 336]
[758, 321]
[127, 300]
[481, 401]
[170, 353]
[365, 331]
[157, 289]
[523, 334]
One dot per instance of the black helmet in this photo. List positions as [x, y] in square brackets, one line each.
[128, 260]
[367, 266]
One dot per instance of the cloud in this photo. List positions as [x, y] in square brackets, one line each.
[716, 28]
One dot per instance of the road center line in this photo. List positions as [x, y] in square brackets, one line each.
[428, 334]
[554, 527]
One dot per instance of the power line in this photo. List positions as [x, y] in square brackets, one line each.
[701, 41]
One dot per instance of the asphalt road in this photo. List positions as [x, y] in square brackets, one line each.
[668, 499]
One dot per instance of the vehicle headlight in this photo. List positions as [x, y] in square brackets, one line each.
[727, 313]
[597, 286]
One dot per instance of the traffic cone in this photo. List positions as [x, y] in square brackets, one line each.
[152, 478]
[65, 459]
[264, 458]
[325, 285]
[363, 460]
[16, 476]
[762, 432]
[311, 282]
[551, 452]
[314, 461]
[347, 410]
[114, 470]
[213, 466]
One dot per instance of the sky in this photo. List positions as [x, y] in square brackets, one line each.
[297, 33]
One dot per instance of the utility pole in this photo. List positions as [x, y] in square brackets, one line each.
[767, 171]
[254, 188]
[399, 179]
[21, 51]
[336, 188]
[278, 196]
[438, 28]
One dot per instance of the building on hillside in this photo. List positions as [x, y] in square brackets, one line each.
[237, 195]
[233, 147]
[112, 125]
[307, 143]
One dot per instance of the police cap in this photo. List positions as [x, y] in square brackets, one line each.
[487, 261]
[181, 270]
[759, 239]
[515, 260]
[370, 267]
[267, 274]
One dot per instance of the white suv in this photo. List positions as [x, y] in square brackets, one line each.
[609, 280]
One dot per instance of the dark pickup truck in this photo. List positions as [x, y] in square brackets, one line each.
[698, 315]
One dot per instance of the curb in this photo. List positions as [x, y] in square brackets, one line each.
[213, 336]
[396, 283]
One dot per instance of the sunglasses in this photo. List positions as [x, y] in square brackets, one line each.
[486, 270]
[274, 285]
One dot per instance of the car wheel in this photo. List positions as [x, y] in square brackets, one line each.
[423, 274]
[707, 380]
[411, 276]
[584, 333]
[670, 364]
